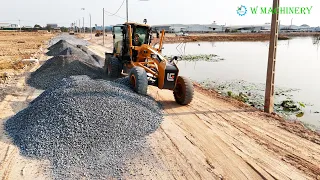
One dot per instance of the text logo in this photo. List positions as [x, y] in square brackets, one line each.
[281, 10]
[242, 10]
[170, 76]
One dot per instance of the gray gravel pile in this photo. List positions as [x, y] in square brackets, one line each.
[57, 48]
[74, 51]
[124, 81]
[59, 67]
[86, 128]
[70, 39]
[99, 60]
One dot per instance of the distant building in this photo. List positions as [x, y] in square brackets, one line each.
[267, 27]
[100, 28]
[316, 29]
[58, 30]
[14, 26]
[161, 27]
[205, 28]
[4, 25]
[53, 26]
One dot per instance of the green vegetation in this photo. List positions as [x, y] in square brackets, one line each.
[200, 57]
[253, 95]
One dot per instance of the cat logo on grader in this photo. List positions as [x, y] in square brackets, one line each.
[170, 76]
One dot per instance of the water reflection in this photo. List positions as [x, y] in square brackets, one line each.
[315, 40]
[181, 48]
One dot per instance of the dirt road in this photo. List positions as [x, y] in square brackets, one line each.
[212, 138]
[12, 164]
[215, 139]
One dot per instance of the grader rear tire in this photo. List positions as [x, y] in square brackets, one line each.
[113, 68]
[183, 92]
[139, 80]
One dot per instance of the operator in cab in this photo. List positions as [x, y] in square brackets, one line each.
[136, 41]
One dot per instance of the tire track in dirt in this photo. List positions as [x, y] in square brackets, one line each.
[269, 142]
[202, 142]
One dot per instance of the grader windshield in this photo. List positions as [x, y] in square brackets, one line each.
[143, 33]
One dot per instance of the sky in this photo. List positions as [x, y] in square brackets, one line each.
[65, 12]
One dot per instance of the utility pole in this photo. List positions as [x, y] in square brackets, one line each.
[127, 11]
[269, 94]
[103, 27]
[90, 26]
[84, 31]
[20, 25]
[79, 28]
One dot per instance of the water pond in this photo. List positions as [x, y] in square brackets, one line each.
[240, 67]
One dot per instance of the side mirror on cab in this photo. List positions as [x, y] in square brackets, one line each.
[174, 58]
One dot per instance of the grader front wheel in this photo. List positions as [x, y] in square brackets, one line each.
[183, 91]
[139, 80]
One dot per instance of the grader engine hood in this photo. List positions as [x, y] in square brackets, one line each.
[168, 72]
[149, 52]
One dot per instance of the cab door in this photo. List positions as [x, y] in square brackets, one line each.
[117, 39]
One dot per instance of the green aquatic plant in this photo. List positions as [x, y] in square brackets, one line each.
[253, 95]
[301, 104]
[199, 57]
[300, 114]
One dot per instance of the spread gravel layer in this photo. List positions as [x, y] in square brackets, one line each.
[86, 128]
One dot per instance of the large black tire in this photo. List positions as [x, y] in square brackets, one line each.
[114, 68]
[183, 91]
[139, 80]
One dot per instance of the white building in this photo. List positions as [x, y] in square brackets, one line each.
[8, 25]
[190, 28]
[14, 26]
[267, 27]
[4, 25]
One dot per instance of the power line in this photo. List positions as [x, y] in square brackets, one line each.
[114, 15]
[118, 9]
[120, 16]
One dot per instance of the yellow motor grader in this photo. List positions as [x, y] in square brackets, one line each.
[133, 55]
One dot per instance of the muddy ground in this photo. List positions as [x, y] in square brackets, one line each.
[14, 47]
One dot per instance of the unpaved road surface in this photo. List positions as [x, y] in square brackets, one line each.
[209, 139]
[12, 164]
[215, 139]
